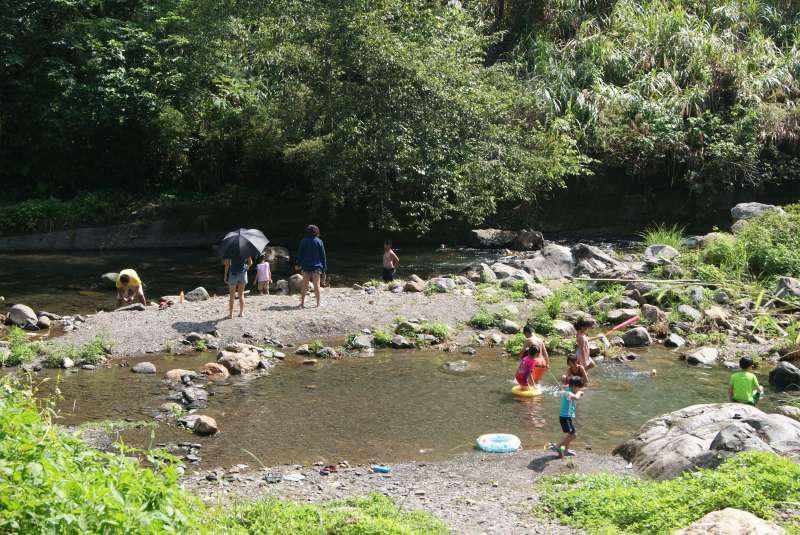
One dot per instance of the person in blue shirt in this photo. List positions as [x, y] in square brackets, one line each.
[311, 262]
[569, 398]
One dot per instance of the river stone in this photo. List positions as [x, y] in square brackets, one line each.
[509, 327]
[496, 339]
[67, 363]
[537, 291]
[144, 367]
[198, 294]
[592, 261]
[303, 350]
[748, 210]
[238, 363]
[456, 366]
[622, 314]
[657, 255]
[674, 340]
[552, 262]
[282, 286]
[788, 287]
[789, 410]
[109, 280]
[492, 238]
[502, 271]
[178, 374]
[215, 370]
[785, 375]
[22, 315]
[690, 312]
[517, 276]
[604, 303]
[171, 407]
[414, 285]
[705, 356]
[194, 397]
[406, 327]
[401, 342]
[193, 337]
[716, 314]
[327, 353]
[43, 322]
[487, 275]
[295, 283]
[136, 307]
[442, 284]
[637, 337]
[205, 425]
[739, 226]
[362, 341]
[670, 444]
[731, 521]
[472, 273]
[563, 328]
[527, 240]
[653, 314]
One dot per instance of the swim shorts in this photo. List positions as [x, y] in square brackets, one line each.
[567, 425]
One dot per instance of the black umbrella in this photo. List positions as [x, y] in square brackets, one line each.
[240, 244]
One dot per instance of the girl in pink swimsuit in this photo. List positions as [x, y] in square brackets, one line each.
[263, 275]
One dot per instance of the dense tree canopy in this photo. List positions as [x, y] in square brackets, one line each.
[405, 112]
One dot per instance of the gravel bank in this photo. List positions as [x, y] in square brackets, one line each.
[343, 311]
[473, 494]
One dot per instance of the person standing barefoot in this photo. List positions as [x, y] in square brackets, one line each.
[311, 261]
[236, 279]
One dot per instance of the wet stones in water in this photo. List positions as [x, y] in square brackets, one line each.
[195, 397]
[43, 322]
[401, 342]
[785, 375]
[327, 353]
[239, 363]
[674, 340]
[362, 341]
[171, 407]
[457, 366]
[177, 375]
[496, 339]
[22, 316]
[509, 327]
[310, 362]
[198, 294]
[428, 338]
[144, 367]
[303, 350]
[730, 365]
[705, 356]
[67, 363]
[637, 337]
[215, 370]
[469, 350]
[89, 367]
[563, 328]
[205, 425]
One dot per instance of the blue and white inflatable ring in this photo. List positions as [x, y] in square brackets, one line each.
[499, 443]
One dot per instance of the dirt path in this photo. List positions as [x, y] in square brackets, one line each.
[473, 494]
[343, 311]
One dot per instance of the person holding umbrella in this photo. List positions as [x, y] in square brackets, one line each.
[311, 261]
[237, 250]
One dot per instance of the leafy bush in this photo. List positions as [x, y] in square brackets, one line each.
[557, 344]
[482, 319]
[661, 234]
[755, 482]
[54, 483]
[20, 349]
[382, 338]
[435, 328]
[371, 515]
[201, 345]
[513, 344]
[95, 350]
[315, 346]
[542, 324]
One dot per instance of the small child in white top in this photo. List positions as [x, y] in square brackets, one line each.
[263, 275]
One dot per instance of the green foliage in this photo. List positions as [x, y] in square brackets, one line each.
[371, 515]
[95, 350]
[435, 328]
[755, 482]
[482, 319]
[47, 215]
[661, 234]
[315, 346]
[541, 324]
[54, 483]
[711, 338]
[514, 344]
[201, 345]
[557, 344]
[20, 349]
[552, 305]
[382, 338]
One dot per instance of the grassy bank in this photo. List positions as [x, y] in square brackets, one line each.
[54, 483]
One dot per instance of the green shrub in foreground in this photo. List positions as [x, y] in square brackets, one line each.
[54, 483]
[20, 349]
[482, 320]
[372, 515]
[755, 482]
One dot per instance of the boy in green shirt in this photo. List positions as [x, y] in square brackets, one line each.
[743, 386]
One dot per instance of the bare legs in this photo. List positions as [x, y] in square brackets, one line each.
[314, 279]
[232, 297]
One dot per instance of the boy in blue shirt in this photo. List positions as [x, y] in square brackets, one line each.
[569, 398]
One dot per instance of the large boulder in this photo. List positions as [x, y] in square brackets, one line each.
[519, 240]
[592, 261]
[674, 340]
[205, 425]
[414, 284]
[487, 275]
[502, 271]
[668, 445]
[619, 315]
[657, 255]
[653, 314]
[238, 363]
[785, 375]
[22, 316]
[748, 210]
[508, 326]
[788, 287]
[198, 294]
[705, 356]
[527, 240]
[688, 311]
[277, 255]
[442, 284]
[563, 328]
[178, 374]
[295, 283]
[215, 370]
[401, 342]
[144, 367]
[552, 262]
[637, 337]
[789, 410]
[731, 521]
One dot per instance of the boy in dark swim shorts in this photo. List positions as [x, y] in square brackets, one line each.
[569, 398]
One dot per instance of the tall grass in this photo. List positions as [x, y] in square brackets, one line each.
[662, 234]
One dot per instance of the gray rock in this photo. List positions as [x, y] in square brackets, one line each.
[198, 294]
[442, 284]
[790, 411]
[457, 366]
[563, 328]
[327, 353]
[657, 255]
[205, 425]
[295, 284]
[730, 365]
[487, 275]
[414, 285]
[748, 210]
[527, 240]
[406, 327]
[731, 521]
[653, 314]
[502, 271]
[239, 362]
[303, 350]
[194, 337]
[469, 350]
[538, 291]
[22, 315]
[705, 356]
[716, 314]
[604, 304]
[697, 295]
[492, 238]
[637, 337]
[50, 316]
[43, 323]
[144, 367]
[552, 262]
[88, 367]
[401, 342]
[674, 340]
[67, 363]
[785, 375]
[739, 226]
[592, 261]
[496, 339]
[629, 302]
[516, 277]
[109, 280]
[362, 341]
[788, 287]
[136, 307]
[690, 312]
[509, 327]
[668, 445]
[282, 286]
[622, 314]
[194, 397]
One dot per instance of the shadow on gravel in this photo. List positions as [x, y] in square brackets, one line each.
[185, 327]
[281, 307]
[539, 464]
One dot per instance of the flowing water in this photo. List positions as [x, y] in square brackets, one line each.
[396, 406]
[69, 283]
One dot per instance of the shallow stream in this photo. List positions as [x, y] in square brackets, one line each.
[396, 406]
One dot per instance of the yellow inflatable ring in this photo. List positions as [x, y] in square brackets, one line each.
[533, 392]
